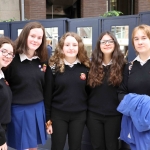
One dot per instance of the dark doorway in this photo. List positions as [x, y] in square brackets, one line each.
[127, 7]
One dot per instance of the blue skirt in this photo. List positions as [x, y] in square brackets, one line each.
[27, 127]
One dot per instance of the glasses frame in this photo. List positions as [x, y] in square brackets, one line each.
[107, 41]
[8, 55]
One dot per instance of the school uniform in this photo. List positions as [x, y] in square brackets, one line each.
[135, 79]
[66, 104]
[103, 120]
[5, 102]
[26, 79]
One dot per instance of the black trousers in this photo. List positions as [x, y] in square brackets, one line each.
[104, 131]
[67, 123]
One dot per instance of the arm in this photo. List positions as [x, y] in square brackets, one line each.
[48, 91]
[123, 88]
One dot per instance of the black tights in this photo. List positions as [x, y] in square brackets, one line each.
[104, 131]
[67, 123]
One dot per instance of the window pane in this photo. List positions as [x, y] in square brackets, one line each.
[86, 35]
[52, 34]
[122, 35]
[1, 33]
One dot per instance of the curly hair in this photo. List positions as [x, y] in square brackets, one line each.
[96, 73]
[57, 58]
[21, 41]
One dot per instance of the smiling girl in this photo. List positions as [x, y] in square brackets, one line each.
[65, 93]
[6, 56]
[25, 76]
[136, 81]
[105, 75]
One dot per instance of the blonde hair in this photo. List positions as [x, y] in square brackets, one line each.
[143, 27]
[48, 41]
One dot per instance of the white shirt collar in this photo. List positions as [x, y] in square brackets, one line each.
[108, 63]
[1, 74]
[141, 61]
[24, 57]
[71, 65]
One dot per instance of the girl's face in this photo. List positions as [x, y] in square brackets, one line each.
[34, 39]
[141, 42]
[6, 55]
[70, 47]
[107, 45]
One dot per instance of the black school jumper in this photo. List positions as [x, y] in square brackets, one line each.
[5, 105]
[26, 79]
[66, 105]
[138, 81]
[103, 120]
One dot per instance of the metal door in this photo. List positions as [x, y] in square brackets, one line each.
[145, 18]
[48, 23]
[90, 30]
[5, 29]
[129, 22]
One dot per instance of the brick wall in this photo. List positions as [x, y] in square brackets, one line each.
[136, 7]
[143, 5]
[35, 9]
[93, 8]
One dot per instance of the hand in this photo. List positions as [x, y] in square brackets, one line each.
[3, 147]
[49, 130]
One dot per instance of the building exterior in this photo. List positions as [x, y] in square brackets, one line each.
[9, 9]
[43, 9]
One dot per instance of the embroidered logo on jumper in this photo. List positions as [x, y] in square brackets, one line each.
[130, 66]
[82, 76]
[43, 68]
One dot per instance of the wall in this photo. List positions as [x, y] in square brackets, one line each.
[9, 9]
[93, 8]
[35, 9]
[143, 5]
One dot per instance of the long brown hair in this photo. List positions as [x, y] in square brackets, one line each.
[96, 73]
[21, 42]
[57, 58]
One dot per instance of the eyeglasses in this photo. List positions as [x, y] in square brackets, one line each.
[106, 41]
[5, 53]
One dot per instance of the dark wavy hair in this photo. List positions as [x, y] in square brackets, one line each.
[21, 42]
[57, 58]
[96, 73]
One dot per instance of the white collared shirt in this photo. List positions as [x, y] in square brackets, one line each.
[108, 63]
[141, 61]
[1, 74]
[71, 65]
[24, 57]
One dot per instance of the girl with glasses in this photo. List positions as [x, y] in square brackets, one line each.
[105, 75]
[6, 56]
